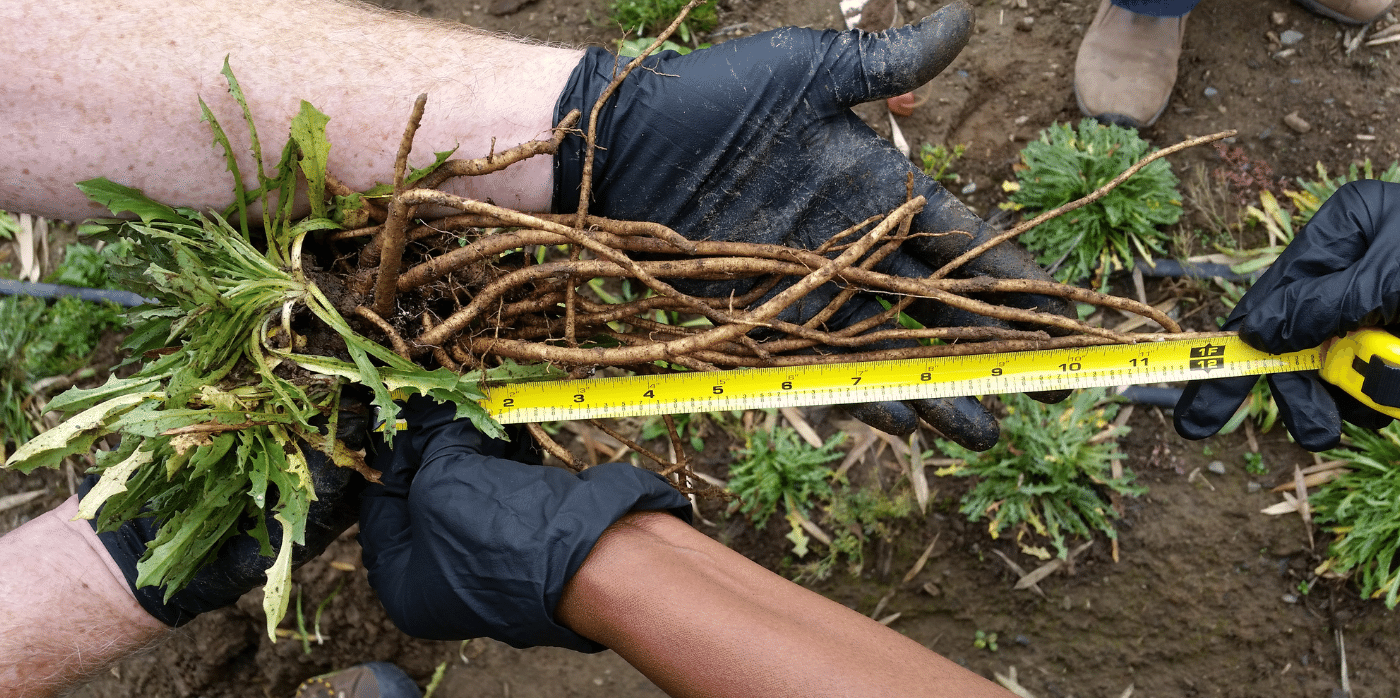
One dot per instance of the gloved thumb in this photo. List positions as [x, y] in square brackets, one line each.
[867, 67]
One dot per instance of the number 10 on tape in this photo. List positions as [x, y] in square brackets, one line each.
[875, 381]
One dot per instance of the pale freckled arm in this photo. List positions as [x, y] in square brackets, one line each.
[66, 611]
[111, 88]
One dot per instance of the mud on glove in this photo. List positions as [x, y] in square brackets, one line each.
[753, 140]
[462, 539]
[1340, 273]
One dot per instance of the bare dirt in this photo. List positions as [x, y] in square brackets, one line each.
[1204, 599]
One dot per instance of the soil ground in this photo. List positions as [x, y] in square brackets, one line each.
[1204, 598]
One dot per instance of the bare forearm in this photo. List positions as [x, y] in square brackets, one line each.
[65, 609]
[110, 88]
[740, 630]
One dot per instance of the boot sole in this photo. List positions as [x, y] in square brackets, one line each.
[1325, 11]
[1117, 119]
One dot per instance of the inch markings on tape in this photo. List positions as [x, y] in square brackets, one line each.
[876, 381]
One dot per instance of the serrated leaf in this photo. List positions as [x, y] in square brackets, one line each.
[416, 174]
[121, 199]
[150, 421]
[75, 399]
[279, 583]
[76, 435]
[309, 132]
[112, 482]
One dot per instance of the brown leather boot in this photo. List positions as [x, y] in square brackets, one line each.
[1349, 11]
[1127, 66]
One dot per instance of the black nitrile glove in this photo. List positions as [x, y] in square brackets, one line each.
[753, 140]
[1340, 273]
[239, 566]
[462, 539]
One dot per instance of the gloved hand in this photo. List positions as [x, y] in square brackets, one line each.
[1340, 273]
[753, 140]
[239, 565]
[463, 539]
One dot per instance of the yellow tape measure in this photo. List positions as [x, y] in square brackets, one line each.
[876, 381]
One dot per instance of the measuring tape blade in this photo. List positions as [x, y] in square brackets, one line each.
[878, 381]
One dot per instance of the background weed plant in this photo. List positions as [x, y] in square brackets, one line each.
[1066, 163]
[641, 18]
[1049, 472]
[41, 339]
[935, 161]
[856, 516]
[778, 470]
[1360, 508]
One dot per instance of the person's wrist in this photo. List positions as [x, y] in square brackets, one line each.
[80, 554]
[512, 105]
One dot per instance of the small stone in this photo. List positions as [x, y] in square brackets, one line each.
[1026, 24]
[1290, 37]
[1297, 123]
[1023, 640]
[1290, 598]
[1278, 18]
[1286, 53]
[1211, 92]
[971, 187]
[1021, 120]
[913, 8]
[1253, 487]
[1216, 467]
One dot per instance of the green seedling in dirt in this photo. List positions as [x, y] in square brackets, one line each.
[779, 469]
[1067, 163]
[41, 339]
[1050, 470]
[1254, 464]
[855, 517]
[641, 17]
[985, 641]
[935, 160]
[1359, 509]
[211, 434]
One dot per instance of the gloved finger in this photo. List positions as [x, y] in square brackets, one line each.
[891, 416]
[964, 420]
[1206, 406]
[865, 67]
[1305, 313]
[1307, 409]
